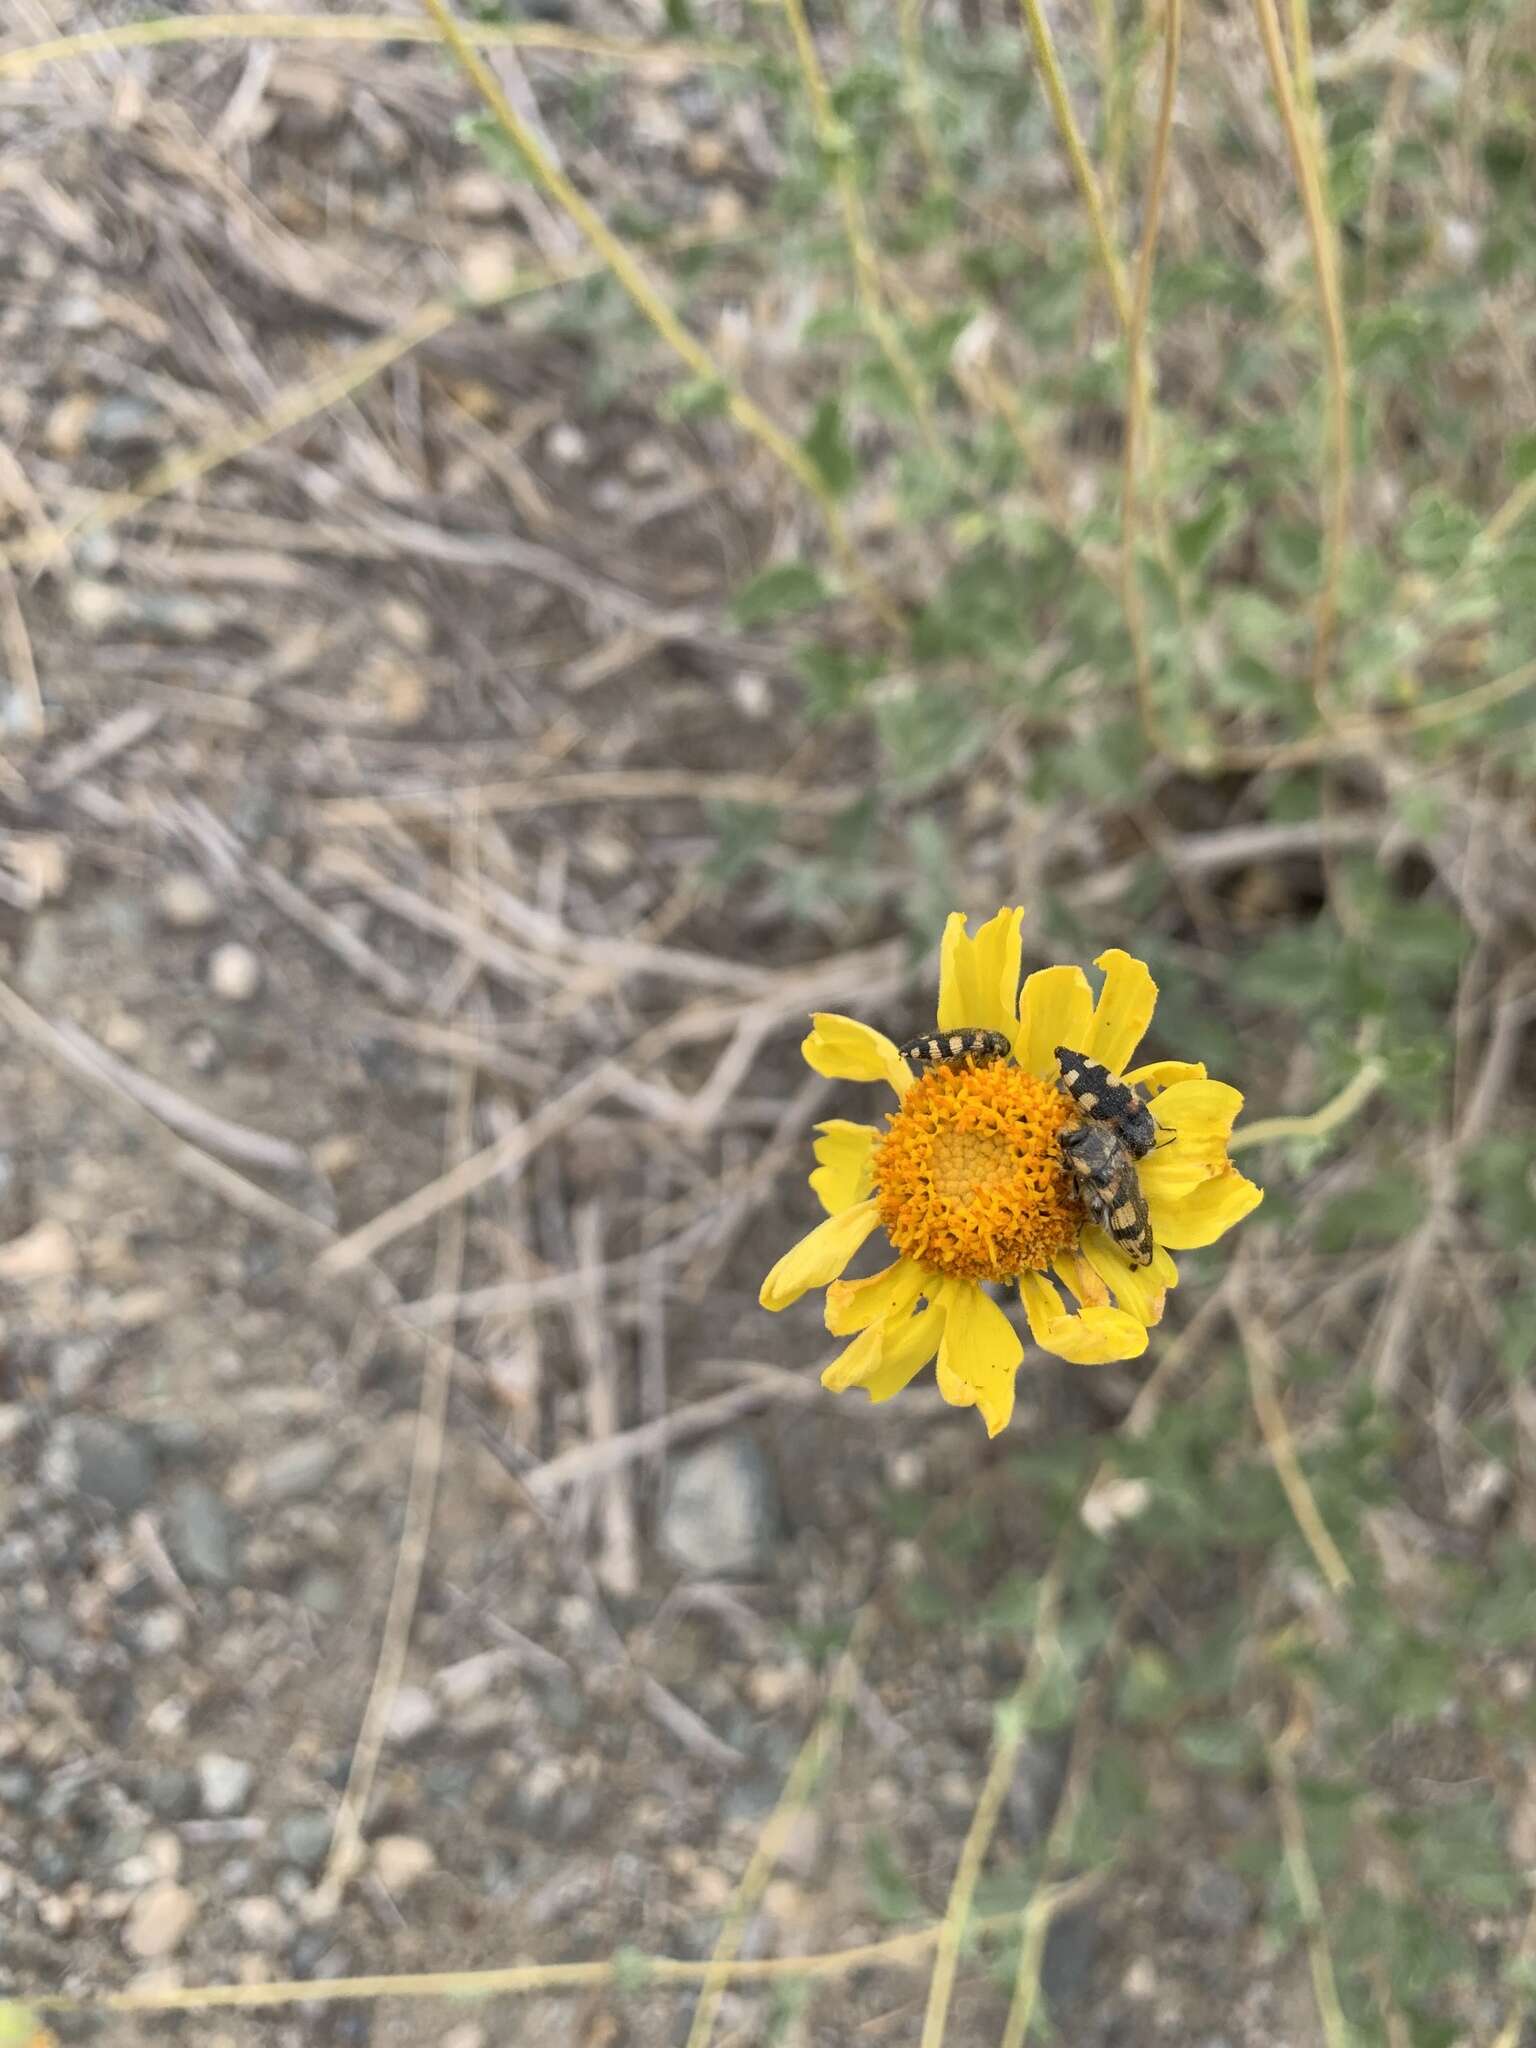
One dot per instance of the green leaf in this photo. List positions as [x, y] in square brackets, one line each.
[695, 398]
[778, 593]
[482, 132]
[1227, 1746]
[745, 832]
[1194, 539]
[632, 1971]
[828, 449]
[1148, 1687]
[891, 1891]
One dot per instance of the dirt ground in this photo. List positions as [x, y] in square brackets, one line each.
[371, 828]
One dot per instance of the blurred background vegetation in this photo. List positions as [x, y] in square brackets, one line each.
[1082, 456]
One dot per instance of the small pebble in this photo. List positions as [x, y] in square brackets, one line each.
[224, 1783]
[90, 1454]
[721, 1516]
[161, 1632]
[296, 1471]
[75, 1365]
[263, 1924]
[202, 1535]
[478, 195]
[159, 1921]
[124, 426]
[201, 1050]
[234, 973]
[304, 1838]
[412, 1712]
[400, 1860]
[187, 902]
[567, 445]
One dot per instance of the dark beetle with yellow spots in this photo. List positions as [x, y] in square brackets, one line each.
[953, 1048]
[1101, 1152]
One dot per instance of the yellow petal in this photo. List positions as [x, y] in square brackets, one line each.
[979, 978]
[1183, 1222]
[853, 1366]
[845, 1050]
[1161, 1074]
[820, 1257]
[1194, 1119]
[886, 1356]
[857, 1304]
[979, 1354]
[1091, 1336]
[1139, 1290]
[842, 1175]
[1055, 1008]
[908, 1347]
[1123, 1011]
[1079, 1278]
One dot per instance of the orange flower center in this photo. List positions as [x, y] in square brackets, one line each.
[969, 1175]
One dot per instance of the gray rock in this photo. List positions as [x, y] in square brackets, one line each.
[565, 1893]
[53, 1865]
[170, 1793]
[203, 1536]
[126, 426]
[316, 1952]
[1071, 1950]
[324, 1592]
[305, 1837]
[721, 1515]
[1038, 1779]
[91, 1455]
[1216, 1900]
[181, 1437]
[549, 1802]
[297, 1472]
[18, 1788]
[75, 1366]
[224, 1783]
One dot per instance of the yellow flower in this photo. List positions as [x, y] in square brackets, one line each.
[968, 1183]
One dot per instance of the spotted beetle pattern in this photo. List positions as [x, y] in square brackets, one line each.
[951, 1048]
[1101, 1151]
[1108, 1100]
[1105, 1176]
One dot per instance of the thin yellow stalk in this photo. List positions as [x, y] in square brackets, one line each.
[919, 99]
[647, 296]
[1354, 1095]
[1306, 163]
[861, 248]
[1012, 1729]
[1298, 1863]
[1281, 1445]
[1082, 169]
[1042, 1909]
[364, 28]
[806, 1771]
[1138, 395]
[635, 1973]
[1111, 99]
